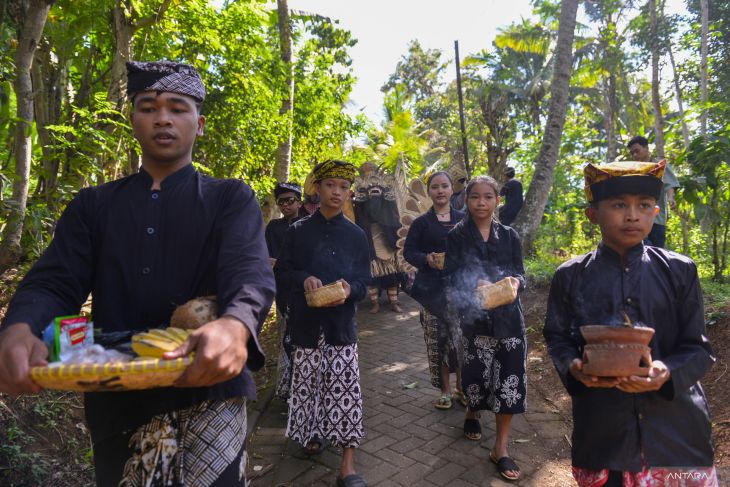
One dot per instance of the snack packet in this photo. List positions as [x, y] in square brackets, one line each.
[71, 334]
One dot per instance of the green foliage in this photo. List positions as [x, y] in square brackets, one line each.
[235, 47]
[541, 267]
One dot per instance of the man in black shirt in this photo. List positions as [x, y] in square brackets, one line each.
[288, 198]
[142, 245]
[512, 194]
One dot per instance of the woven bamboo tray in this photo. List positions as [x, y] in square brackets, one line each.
[119, 376]
[439, 258]
[325, 295]
[497, 294]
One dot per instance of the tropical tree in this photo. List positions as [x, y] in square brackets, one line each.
[30, 18]
[529, 218]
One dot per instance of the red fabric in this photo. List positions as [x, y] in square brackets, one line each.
[654, 477]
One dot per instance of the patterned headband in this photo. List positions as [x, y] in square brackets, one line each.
[334, 169]
[164, 76]
[623, 177]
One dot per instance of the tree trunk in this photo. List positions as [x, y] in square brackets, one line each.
[655, 98]
[704, 8]
[49, 79]
[529, 217]
[611, 109]
[124, 25]
[678, 94]
[30, 28]
[283, 153]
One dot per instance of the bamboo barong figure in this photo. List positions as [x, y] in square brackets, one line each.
[376, 212]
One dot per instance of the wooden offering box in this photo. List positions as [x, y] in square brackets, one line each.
[616, 351]
[497, 294]
[439, 259]
[325, 295]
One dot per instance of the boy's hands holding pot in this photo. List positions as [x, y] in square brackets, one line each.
[576, 370]
[658, 375]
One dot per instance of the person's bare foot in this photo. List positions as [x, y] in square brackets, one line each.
[396, 307]
[374, 308]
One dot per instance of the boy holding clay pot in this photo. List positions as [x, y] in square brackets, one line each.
[633, 430]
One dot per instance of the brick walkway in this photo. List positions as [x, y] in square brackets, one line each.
[408, 442]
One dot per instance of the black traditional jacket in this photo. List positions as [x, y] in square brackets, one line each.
[329, 250]
[469, 259]
[425, 235]
[275, 233]
[512, 193]
[140, 253]
[659, 289]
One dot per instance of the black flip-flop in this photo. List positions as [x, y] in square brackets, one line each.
[472, 427]
[322, 445]
[353, 480]
[504, 465]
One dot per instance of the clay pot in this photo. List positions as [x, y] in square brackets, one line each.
[616, 351]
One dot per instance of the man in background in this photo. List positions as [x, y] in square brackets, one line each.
[512, 194]
[639, 149]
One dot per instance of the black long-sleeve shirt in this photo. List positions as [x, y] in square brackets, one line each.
[140, 253]
[659, 289]
[512, 193]
[329, 250]
[274, 234]
[468, 259]
[425, 235]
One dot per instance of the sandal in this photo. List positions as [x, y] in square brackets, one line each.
[472, 429]
[444, 402]
[353, 480]
[321, 445]
[504, 465]
[459, 396]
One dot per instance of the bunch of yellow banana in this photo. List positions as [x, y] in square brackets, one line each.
[153, 343]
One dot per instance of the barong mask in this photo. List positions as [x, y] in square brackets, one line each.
[623, 177]
[164, 76]
[374, 193]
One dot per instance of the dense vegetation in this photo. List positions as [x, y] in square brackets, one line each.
[570, 85]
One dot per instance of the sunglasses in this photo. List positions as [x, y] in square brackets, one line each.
[287, 201]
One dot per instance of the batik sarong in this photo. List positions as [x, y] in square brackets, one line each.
[283, 367]
[326, 400]
[438, 350]
[195, 446]
[494, 374]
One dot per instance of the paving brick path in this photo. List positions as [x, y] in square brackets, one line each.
[408, 442]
